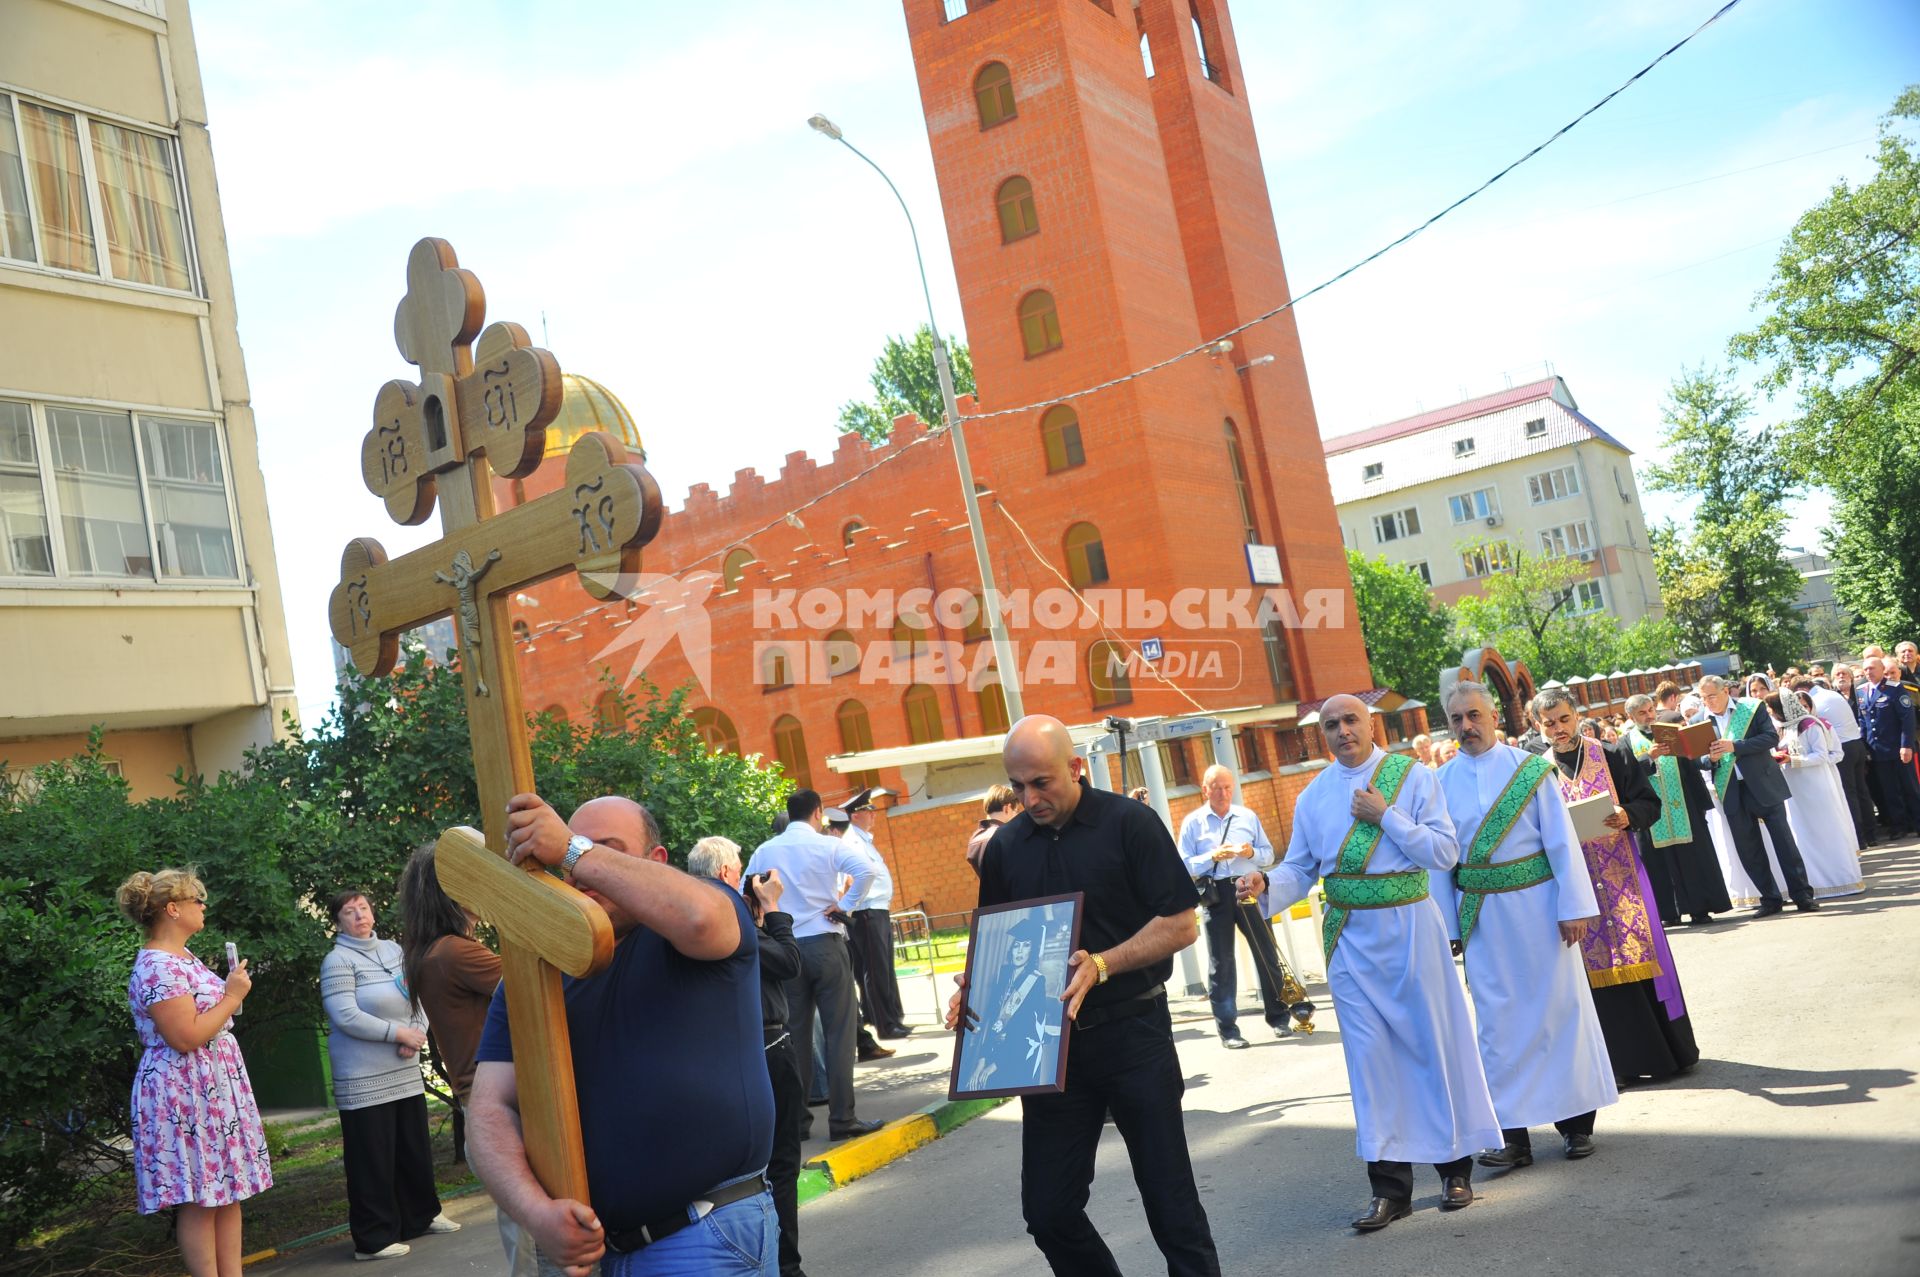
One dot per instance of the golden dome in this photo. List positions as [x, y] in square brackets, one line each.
[588, 405]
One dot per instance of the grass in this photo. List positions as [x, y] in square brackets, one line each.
[309, 1194]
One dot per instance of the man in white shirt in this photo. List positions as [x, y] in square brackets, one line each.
[1220, 840]
[872, 929]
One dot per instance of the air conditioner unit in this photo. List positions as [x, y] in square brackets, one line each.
[1494, 520]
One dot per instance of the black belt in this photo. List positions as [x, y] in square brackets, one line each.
[632, 1239]
[1139, 1004]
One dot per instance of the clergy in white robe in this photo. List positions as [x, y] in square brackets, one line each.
[1375, 826]
[1520, 902]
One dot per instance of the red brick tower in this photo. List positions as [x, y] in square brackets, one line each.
[1107, 209]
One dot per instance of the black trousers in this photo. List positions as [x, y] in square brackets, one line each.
[826, 981]
[388, 1157]
[1581, 1125]
[1744, 819]
[872, 937]
[1223, 983]
[1126, 1069]
[1853, 782]
[1395, 1179]
[1666, 899]
[1899, 795]
[783, 1168]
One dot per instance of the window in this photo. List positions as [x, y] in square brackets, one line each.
[843, 654]
[1107, 674]
[26, 542]
[1247, 748]
[846, 533]
[1463, 447]
[1279, 662]
[1572, 538]
[1086, 556]
[523, 634]
[608, 714]
[1039, 324]
[1236, 465]
[1018, 217]
[1396, 524]
[1290, 745]
[1209, 66]
[1553, 485]
[558, 713]
[1420, 569]
[1060, 435]
[733, 567]
[856, 737]
[776, 669]
[993, 94]
[1485, 560]
[790, 748]
[69, 184]
[716, 730]
[1146, 55]
[1176, 763]
[1472, 507]
[187, 483]
[955, 9]
[992, 699]
[976, 627]
[1372, 470]
[909, 636]
[922, 705]
[1584, 597]
[1537, 428]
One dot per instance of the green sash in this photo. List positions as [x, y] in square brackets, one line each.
[1736, 729]
[1494, 828]
[1356, 849]
[1674, 825]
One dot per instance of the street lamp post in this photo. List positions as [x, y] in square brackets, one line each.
[989, 593]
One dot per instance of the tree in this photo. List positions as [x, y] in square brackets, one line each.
[904, 380]
[1526, 609]
[1689, 589]
[1728, 574]
[1842, 329]
[1404, 629]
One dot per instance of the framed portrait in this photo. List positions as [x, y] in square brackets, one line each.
[1016, 969]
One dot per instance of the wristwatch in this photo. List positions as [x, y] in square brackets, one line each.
[577, 846]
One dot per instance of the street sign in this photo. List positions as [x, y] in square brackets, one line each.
[1174, 729]
[1151, 649]
[1263, 565]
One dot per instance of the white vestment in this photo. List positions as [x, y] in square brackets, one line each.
[1540, 1040]
[1419, 1093]
[1816, 812]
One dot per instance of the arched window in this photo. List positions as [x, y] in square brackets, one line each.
[843, 654]
[1086, 556]
[1039, 323]
[790, 747]
[909, 636]
[558, 713]
[734, 565]
[608, 713]
[776, 668]
[856, 737]
[1209, 65]
[976, 627]
[716, 730]
[993, 94]
[993, 707]
[1018, 217]
[922, 704]
[1236, 463]
[1060, 436]
[846, 533]
[521, 634]
[1107, 674]
[1146, 54]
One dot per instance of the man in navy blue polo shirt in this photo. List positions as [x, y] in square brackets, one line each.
[675, 1107]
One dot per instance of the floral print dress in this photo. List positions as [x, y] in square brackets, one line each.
[197, 1137]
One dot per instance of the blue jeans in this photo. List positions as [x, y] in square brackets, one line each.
[737, 1240]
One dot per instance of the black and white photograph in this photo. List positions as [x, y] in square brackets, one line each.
[1016, 968]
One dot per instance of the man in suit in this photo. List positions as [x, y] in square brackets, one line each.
[1756, 794]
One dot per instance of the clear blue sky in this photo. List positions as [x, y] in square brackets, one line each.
[643, 174]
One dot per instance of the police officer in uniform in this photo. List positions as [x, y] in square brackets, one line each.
[1887, 723]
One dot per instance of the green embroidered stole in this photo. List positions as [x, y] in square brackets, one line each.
[1674, 825]
[1737, 723]
[1494, 828]
[1357, 848]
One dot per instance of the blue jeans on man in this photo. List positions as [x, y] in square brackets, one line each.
[740, 1239]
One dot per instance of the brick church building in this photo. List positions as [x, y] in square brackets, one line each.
[1107, 209]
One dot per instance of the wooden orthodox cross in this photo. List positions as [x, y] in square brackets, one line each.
[474, 408]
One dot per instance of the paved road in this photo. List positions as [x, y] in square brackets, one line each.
[1793, 1147]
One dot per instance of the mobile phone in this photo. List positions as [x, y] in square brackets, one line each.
[233, 960]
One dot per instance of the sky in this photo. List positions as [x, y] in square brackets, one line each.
[636, 181]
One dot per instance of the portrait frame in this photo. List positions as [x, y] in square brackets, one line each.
[1018, 1043]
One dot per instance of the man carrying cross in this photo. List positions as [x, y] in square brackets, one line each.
[1519, 903]
[1375, 826]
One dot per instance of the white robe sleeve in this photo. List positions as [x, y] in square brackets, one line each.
[1572, 882]
[1289, 881]
[1419, 825]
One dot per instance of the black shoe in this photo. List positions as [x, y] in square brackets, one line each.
[1455, 1192]
[1382, 1211]
[1700, 920]
[903, 1031]
[814, 1104]
[1768, 908]
[1511, 1157]
[1234, 1042]
[1809, 905]
[854, 1128]
[806, 1133]
[1579, 1146]
[1669, 923]
[874, 1052]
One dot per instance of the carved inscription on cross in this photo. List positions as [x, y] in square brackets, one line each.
[475, 407]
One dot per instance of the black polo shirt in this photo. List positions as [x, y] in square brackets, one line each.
[1116, 851]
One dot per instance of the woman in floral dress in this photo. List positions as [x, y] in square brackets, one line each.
[197, 1139]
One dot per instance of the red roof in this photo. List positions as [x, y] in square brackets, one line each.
[1440, 416]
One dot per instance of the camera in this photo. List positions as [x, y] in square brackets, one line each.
[747, 888]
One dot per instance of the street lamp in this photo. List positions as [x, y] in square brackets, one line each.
[989, 592]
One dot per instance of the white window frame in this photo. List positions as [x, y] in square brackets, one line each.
[1472, 561]
[49, 496]
[1372, 471]
[1421, 569]
[1487, 497]
[1463, 447]
[1399, 521]
[1591, 586]
[1541, 485]
[1531, 433]
[1574, 538]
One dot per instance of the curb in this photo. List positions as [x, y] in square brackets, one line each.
[844, 1163]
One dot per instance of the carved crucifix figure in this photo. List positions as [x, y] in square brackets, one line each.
[478, 407]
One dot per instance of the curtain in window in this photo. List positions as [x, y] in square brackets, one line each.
[59, 187]
[16, 230]
[146, 238]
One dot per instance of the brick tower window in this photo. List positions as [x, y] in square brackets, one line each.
[1018, 217]
[856, 737]
[733, 567]
[1236, 462]
[1039, 323]
[716, 730]
[993, 94]
[1107, 674]
[790, 747]
[846, 533]
[1086, 556]
[1060, 435]
[922, 705]
[1209, 65]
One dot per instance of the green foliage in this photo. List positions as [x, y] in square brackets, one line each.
[1404, 629]
[1526, 611]
[905, 380]
[1841, 328]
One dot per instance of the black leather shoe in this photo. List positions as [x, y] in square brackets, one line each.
[852, 1129]
[1809, 905]
[875, 1052]
[1768, 908]
[1508, 1158]
[1235, 1042]
[1579, 1146]
[902, 1031]
[1455, 1192]
[1382, 1211]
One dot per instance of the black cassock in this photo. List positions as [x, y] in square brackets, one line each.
[1687, 877]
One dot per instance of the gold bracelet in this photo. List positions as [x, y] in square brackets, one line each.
[1100, 965]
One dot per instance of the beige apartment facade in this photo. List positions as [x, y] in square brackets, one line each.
[1525, 467]
[138, 590]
